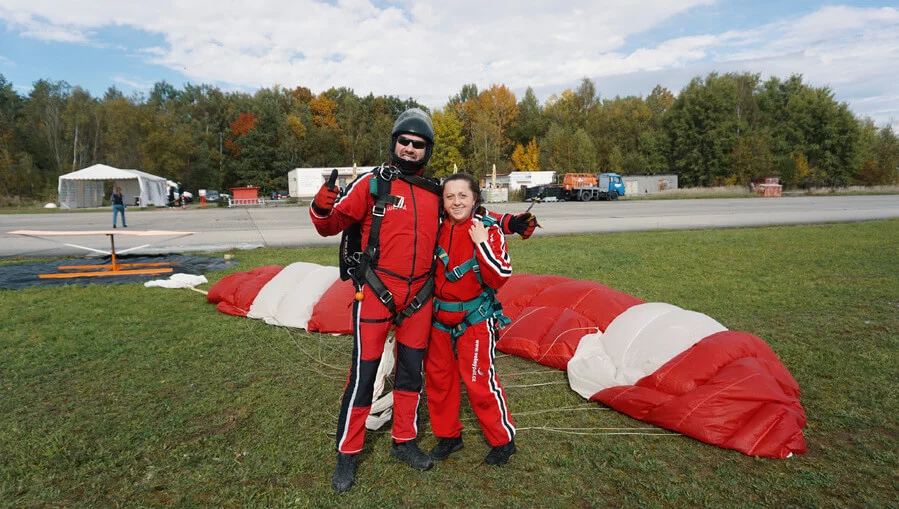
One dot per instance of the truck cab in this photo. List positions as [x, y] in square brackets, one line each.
[611, 185]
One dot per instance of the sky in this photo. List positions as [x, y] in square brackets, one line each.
[428, 50]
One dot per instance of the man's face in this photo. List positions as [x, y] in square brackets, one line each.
[408, 151]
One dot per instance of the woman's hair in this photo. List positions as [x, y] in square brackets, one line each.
[472, 184]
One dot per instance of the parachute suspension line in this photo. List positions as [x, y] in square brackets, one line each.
[604, 431]
[258, 232]
[585, 406]
[315, 359]
[266, 343]
[532, 372]
[308, 354]
[549, 348]
[534, 385]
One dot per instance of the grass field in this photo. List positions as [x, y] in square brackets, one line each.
[128, 396]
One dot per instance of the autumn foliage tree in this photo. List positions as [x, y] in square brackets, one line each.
[240, 127]
[719, 128]
[526, 158]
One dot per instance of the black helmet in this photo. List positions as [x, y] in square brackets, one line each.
[412, 121]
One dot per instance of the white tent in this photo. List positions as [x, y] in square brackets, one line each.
[84, 188]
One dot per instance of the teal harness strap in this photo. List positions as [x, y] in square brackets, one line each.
[471, 264]
[457, 272]
[478, 309]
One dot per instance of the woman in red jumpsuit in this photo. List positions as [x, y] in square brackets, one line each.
[473, 264]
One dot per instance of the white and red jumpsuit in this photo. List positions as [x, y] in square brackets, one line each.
[476, 345]
[407, 239]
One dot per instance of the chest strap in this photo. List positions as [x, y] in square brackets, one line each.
[456, 273]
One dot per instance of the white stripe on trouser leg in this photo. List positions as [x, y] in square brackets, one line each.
[357, 367]
[494, 387]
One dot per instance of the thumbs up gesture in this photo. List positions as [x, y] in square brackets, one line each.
[325, 197]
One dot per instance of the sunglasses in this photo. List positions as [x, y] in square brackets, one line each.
[415, 143]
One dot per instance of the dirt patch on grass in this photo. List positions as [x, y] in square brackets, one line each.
[232, 417]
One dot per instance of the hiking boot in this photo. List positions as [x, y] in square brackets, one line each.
[445, 447]
[344, 472]
[500, 454]
[411, 454]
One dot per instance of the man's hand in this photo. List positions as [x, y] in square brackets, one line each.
[524, 224]
[324, 199]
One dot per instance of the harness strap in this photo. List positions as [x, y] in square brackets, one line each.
[456, 273]
[477, 310]
[379, 186]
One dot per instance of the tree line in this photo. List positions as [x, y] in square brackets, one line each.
[720, 129]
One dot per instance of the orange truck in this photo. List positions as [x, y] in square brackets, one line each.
[589, 186]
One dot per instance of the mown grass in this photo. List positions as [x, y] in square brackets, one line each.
[128, 396]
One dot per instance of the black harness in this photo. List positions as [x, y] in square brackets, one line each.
[359, 264]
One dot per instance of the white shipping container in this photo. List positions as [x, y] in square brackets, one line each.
[517, 179]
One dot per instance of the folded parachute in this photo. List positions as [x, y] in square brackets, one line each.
[671, 367]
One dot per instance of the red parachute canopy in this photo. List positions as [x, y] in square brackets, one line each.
[730, 389]
[656, 362]
[235, 294]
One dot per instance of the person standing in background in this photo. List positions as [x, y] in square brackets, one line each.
[118, 207]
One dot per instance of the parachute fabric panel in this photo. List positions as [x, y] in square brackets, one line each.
[517, 293]
[729, 390]
[595, 301]
[550, 315]
[289, 297]
[548, 335]
[635, 344]
[234, 294]
[334, 311]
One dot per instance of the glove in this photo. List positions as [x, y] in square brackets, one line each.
[325, 197]
[523, 224]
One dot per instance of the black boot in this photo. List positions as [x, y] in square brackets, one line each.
[445, 447]
[411, 454]
[344, 472]
[500, 454]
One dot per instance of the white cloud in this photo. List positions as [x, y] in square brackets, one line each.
[428, 49]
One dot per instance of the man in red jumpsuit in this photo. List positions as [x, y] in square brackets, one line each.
[403, 264]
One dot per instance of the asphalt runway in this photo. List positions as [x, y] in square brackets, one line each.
[220, 229]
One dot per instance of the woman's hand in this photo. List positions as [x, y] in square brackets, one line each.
[478, 232]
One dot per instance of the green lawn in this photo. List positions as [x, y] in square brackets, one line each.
[128, 396]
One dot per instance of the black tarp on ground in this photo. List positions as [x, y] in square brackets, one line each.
[15, 277]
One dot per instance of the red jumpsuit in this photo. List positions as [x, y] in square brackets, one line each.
[407, 239]
[476, 345]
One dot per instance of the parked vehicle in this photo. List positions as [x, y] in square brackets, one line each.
[545, 193]
[212, 195]
[588, 186]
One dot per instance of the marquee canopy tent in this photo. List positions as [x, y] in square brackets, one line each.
[84, 188]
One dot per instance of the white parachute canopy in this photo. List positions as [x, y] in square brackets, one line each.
[288, 299]
[636, 344]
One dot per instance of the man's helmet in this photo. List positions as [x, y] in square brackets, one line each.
[412, 121]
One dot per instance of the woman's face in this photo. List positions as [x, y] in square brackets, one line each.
[458, 200]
